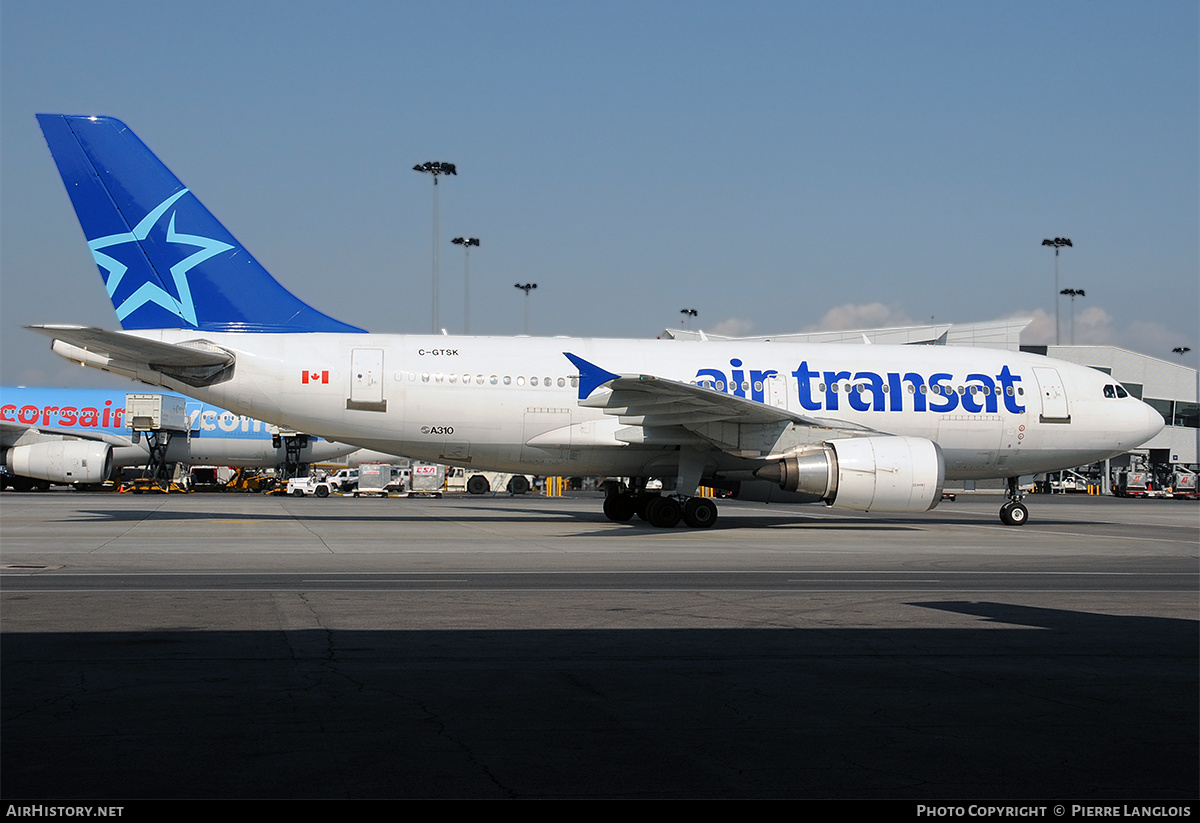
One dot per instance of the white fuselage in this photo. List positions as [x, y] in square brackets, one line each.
[511, 404]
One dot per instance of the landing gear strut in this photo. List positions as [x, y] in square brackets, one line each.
[1013, 512]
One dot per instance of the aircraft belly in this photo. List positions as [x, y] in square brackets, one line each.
[969, 444]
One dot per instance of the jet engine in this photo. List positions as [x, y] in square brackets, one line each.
[62, 461]
[884, 473]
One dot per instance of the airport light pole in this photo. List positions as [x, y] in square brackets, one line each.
[434, 169]
[1181, 351]
[686, 314]
[1073, 293]
[1057, 243]
[526, 287]
[466, 243]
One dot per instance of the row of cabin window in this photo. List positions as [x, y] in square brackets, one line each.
[496, 380]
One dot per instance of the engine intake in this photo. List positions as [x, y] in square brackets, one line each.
[885, 473]
[62, 461]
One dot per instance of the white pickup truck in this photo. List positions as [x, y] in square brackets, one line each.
[344, 481]
[313, 484]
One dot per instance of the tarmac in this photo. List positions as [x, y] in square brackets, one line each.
[242, 646]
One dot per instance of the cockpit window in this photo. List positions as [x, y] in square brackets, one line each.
[1121, 391]
[1110, 391]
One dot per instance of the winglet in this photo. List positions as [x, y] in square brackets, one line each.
[591, 376]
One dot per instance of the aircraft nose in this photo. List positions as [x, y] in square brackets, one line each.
[1152, 422]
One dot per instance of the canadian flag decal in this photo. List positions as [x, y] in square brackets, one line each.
[314, 377]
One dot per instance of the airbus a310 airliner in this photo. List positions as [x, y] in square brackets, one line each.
[867, 428]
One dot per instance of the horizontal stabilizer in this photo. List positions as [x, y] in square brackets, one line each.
[194, 362]
[130, 349]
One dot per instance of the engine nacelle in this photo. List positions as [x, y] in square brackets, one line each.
[62, 461]
[884, 473]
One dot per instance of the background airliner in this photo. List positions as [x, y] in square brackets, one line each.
[869, 428]
[80, 435]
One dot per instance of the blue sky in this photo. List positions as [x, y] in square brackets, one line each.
[777, 166]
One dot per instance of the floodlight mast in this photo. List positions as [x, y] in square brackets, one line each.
[526, 287]
[1057, 243]
[466, 243]
[1073, 293]
[434, 169]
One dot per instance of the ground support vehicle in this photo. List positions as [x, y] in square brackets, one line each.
[1183, 484]
[344, 481]
[148, 485]
[426, 479]
[380, 479]
[313, 484]
[20, 483]
[250, 480]
[485, 482]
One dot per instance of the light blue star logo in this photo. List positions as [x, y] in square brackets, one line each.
[150, 292]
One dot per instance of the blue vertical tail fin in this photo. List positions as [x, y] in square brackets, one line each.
[166, 261]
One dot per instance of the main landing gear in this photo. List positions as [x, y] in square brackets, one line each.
[658, 510]
[1013, 512]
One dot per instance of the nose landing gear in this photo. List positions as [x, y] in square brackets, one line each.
[1013, 512]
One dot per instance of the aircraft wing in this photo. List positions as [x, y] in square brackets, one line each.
[11, 434]
[657, 404]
